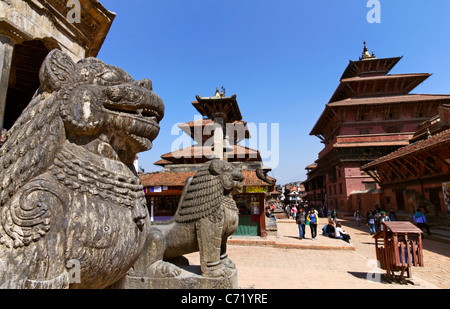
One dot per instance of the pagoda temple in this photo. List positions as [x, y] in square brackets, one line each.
[371, 114]
[216, 135]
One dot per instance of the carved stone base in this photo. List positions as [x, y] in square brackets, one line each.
[190, 278]
[271, 227]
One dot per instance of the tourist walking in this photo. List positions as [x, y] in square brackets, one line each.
[368, 212]
[313, 220]
[334, 215]
[377, 217]
[287, 211]
[392, 215]
[329, 214]
[301, 221]
[357, 215]
[383, 218]
[371, 223]
[294, 212]
[421, 221]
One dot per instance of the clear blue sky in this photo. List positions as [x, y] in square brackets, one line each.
[282, 58]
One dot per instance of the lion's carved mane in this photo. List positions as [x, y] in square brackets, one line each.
[206, 216]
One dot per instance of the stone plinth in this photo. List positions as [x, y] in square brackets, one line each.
[190, 278]
[271, 227]
[279, 214]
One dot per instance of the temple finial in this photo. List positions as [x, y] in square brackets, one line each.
[366, 54]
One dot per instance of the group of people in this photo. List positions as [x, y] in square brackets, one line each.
[334, 230]
[376, 217]
[305, 216]
[311, 218]
[293, 210]
[303, 219]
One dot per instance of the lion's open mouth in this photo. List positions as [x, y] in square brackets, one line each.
[140, 113]
[238, 179]
[135, 110]
[144, 125]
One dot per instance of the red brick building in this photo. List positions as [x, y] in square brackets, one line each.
[418, 175]
[371, 114]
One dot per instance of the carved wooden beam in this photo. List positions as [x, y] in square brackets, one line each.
[427, 165]
[419, 171]
[396, 170]
[437, 158]
[382, 175]
[372, 173]
[406, 167]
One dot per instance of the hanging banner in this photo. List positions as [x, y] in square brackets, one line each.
[156, 189]
[446, 193]
[257, 189]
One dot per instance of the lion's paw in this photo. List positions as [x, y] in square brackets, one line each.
[218, 272]
[228, 263]
[163, 269]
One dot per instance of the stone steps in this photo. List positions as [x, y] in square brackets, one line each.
[440, 233]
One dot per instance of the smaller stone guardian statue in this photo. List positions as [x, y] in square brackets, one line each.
[206, 216]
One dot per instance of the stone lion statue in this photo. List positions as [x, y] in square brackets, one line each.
[73, 211]
[417, 200]
[206, 216]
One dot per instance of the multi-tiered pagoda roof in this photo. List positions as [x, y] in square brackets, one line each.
[367, 84]
[202, 132]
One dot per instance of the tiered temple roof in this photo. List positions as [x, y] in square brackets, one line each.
[398, 84]
[368, 120]
[205, 129]
[179, 178]
[180, 164]
[202, 130]
[367, 84]
[227, 107]
[200, 154]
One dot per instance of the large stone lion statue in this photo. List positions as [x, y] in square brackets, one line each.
[206, 216]
[73, 211]
[417, 200]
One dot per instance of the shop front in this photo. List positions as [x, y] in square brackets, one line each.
[252, 220]
[162, 201]
[163, 191]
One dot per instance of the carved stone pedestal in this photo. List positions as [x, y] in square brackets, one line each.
[271, 227]
[190, 278]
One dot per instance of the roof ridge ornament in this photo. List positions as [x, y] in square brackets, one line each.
[220, 94]
[365, 54]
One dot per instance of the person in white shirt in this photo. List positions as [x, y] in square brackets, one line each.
[341, 234]
[357, 215]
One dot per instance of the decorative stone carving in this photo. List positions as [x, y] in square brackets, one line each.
[206, 216]
[417, 200]
[73, 211]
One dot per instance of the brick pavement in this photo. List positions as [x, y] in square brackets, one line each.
[285, 262]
